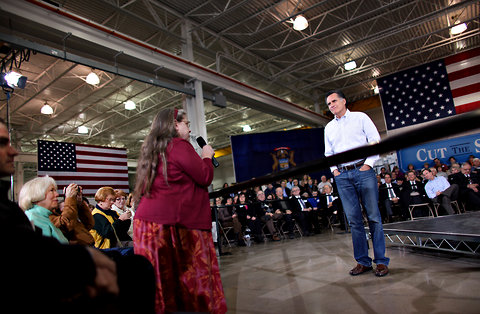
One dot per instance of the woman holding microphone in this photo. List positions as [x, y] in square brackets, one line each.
[172, 225]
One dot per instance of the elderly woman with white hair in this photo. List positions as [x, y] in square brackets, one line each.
[38, 198]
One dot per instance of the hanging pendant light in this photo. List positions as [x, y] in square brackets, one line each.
[46, 109]
[92, 78]
[300, 23]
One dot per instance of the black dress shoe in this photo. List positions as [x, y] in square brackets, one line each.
[360, 269]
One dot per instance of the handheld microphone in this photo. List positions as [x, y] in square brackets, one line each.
[201, 142]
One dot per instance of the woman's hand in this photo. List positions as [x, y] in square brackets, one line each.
[207, 152]
[71, 190]
[126, 215]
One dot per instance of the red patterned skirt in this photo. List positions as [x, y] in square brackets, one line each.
[186, 267]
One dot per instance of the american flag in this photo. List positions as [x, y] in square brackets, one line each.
[431, 91]
[89, 166]
[464, 76]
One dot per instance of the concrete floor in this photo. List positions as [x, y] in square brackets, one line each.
[310, 275]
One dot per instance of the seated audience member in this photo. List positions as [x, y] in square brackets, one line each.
[109, 228]
[441, 173]
[331, 206]
[476, 166]
[389, 194]
[310, 187]
[38, 198]
[413, 192]
[398, 173]
[267, 215]
[74, 218]
[253, 219]
[440, 191]
[470, 159]
[468, 185]
[315, 201]
[382, 173]
[228, 218]
[130, 204]
[304, 179]
[302, 212]
[120, 206]
[452, 161]
[323, 182]
[290, 183]
[282, 205]
[286, 191]
[411, 167]
[426, 165]
[241, 213]
[270, 190]
[437, 163]
[455, 168]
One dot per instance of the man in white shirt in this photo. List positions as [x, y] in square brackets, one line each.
[440, 191]
[349, 130]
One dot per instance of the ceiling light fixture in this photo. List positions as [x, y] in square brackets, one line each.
[82, 129]
[376, 90]
[350, 65]
[300, 23]
[46, 109]
[458, 28]
[92, 78]
[246, 128]
[129, 105]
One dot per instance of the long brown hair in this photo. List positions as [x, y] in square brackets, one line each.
[155, 145]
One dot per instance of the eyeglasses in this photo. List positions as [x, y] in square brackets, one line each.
[120, 199]
[186, 122]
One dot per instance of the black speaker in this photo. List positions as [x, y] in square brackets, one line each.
[219, 100]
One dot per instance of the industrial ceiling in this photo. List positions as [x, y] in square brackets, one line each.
[246, 49]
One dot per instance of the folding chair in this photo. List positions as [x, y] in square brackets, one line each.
[412, 207]
[455, 206]
[225, 232]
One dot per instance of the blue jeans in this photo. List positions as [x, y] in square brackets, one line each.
[355, 186]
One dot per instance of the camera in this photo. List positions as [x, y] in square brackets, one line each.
[65, 189]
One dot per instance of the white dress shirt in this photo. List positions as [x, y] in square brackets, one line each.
[353, 130]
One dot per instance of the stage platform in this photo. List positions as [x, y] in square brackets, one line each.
[456, 233]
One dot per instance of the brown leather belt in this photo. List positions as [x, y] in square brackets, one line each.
[352, 166]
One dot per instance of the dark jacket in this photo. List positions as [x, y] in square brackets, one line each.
[30, 261]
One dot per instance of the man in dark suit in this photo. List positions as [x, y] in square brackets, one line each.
[302, 211]
[267, 215]
[389, 195]
[283, 205]
[413, 192]
[330, 205]
[468, 184]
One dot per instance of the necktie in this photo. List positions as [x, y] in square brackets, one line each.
[391, 194]
[302, 204]
[329, 198]
[468, 178]
[414, 185]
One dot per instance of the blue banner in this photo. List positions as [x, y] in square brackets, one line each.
[255, 155]
[459, 147]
